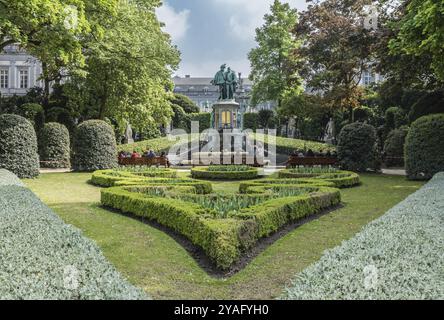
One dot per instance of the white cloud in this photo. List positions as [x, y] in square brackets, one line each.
[176, 23]
[248, 15]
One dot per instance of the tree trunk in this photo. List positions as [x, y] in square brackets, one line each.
[46, 85]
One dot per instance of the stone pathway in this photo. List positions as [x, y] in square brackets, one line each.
[59, 170]
[394, 172]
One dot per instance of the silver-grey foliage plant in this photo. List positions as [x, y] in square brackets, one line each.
[398, 256]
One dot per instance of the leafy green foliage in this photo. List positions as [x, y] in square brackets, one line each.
[424, 147]
[54, 146]
[250, 121]
[394, 147]
[266, 119]
[340, 179]
[185, 103]
[44, 258]
[429, 103]
[394, 118]
[272, 61]
[288, 145]
[223, 225]
[204, 119]
[409, 238]
[357, 147]
[18, 146]
[94, 147]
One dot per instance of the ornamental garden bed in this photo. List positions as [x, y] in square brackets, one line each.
[225, 172]
[339, 178]
[223, 226]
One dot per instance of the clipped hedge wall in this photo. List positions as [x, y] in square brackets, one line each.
[204, 119]
[18, 146]
[288, 145]
[94, 146]
[54, 146]
[357, 147]
[394, 147]
[222, 239]
[110, 178]
[208, 173]
[44, 258]
[340, 179]
[424, 147]
[398, 256]
[250, 121]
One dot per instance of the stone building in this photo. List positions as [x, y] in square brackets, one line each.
[19, 71]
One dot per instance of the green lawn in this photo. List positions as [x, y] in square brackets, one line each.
[152, 260]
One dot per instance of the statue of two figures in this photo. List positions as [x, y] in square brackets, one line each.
[227, 82]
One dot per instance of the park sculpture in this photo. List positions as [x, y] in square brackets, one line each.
[226, 81]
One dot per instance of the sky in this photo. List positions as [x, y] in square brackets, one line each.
[209, 33]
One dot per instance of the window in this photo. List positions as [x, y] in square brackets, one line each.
[368, 78]
[226, 118]
[23, 77]
[4, 78]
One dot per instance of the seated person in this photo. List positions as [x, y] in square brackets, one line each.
[294, 154]
[309, 153]
[122, 154]
[151, 154]
[135, 154]
[163, 154]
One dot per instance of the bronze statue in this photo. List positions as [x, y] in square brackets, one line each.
[227, 82]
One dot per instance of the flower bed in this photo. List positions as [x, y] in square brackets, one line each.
[43, 258]
[224, 226]
[398, 256]
[228, 172]
[340, 179]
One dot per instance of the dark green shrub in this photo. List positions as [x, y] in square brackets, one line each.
[54, 146]
[18, 146]
[394, 147]
[424, 147]
[394, 118]
[429, 103]
[204, 119]
[185, 103]
[180, 118]
[266, 119]
[34, 113]
[63, 116]
[356, 147]
[250, 121]
[94, 146]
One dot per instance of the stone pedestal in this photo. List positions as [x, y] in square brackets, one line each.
[226, 115]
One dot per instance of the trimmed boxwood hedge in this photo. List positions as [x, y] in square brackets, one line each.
[223, 239]
[398, 256]
[44, 258]
[210, 174]
[357, 147]
[94, 146]
[54, 146]
[18, 146]
[424, 147]
[110, 178]
[340, 178]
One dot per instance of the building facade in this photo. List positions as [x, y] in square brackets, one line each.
[19, 71]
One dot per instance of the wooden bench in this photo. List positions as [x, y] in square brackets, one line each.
[311, 161]
[144, 161]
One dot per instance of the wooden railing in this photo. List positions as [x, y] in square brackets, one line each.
[144, 161]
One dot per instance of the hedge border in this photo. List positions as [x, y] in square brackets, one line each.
[341, 179]
[204, 173]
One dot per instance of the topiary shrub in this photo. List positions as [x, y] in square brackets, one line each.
[204, 119]
[394, 147]
[94, 147]
[34, 113]
[394, 118]
[357, 147]
[424, 147]
[18, 146]
[250, 121]
[54, 146]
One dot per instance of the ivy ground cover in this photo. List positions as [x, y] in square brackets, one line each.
[223, 225]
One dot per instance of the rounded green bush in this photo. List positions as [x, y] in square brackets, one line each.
[94, 147]
[394, 147]
[18, 146]
[357, 147]
[54, 146]
[424, 147]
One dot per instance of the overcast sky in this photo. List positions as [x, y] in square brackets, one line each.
[211, 32]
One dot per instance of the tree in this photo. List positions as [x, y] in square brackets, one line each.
[53, 31]
[186, 103]
[421, 33]
[272, 63]
[336, 50]
[129, 71]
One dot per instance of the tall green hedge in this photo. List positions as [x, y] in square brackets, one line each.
[94, 146]
[204, 119]
[54, 146]
[250, 121]
[357, 147]
[18, 146]
[394, 147]
[424, 147]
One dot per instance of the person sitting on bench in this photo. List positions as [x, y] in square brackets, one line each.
[135, 154]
